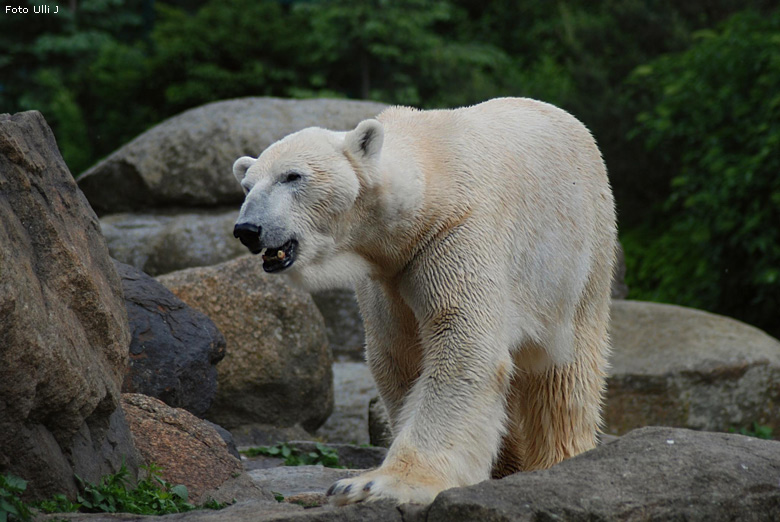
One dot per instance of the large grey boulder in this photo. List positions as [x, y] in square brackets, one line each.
[278, 365]
[187, 160]
[64, 334]
[162, 242]
[174, 348]
[649, 474]
[676, 366]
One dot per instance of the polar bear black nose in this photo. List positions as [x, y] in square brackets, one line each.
[249, 235]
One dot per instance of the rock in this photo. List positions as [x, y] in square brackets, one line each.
[351, 456]
[343, 322]
[227, 437]
[248, 435]
[278, 365]
[189, 450]
[63, 323]
[676, 366]
[238, 488]
[163, 242]
[256, 510]
[354, 388]
[187, 159]
[649, 474]
[295, 480]
[174, 348]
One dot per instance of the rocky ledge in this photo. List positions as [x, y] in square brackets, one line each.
[649, 474]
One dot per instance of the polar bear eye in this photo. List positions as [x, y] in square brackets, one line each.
[292, 177]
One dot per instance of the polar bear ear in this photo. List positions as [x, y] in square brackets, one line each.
[241, 166]
[366, 140]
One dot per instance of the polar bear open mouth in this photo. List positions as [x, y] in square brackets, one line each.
[281, 258]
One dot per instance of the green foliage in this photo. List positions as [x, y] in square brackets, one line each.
[11, 506]
[755, 430]
[47, 58]
[714, 122]
[57, 504]
[321, 456]
[151, 496]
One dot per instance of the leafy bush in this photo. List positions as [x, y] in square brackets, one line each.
[714, 123]
[321, 456]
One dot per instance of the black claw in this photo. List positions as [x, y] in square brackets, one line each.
[331, 490]
[347, 489]
[367, 487]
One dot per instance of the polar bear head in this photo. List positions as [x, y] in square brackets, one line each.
[301, 196]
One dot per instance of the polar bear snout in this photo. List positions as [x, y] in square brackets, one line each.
[249, 235]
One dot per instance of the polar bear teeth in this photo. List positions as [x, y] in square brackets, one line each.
[268, 255]
[277, 259]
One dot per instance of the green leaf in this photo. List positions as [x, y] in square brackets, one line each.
[180, 491]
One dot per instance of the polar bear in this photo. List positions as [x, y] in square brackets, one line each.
[480, 242]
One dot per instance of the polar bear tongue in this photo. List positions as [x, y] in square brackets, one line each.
[277, 259]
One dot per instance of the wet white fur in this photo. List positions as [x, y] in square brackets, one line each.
[480, 242]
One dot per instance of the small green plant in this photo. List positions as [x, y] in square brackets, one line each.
[214, 505]
[755, 430]
[11, 506]
[57, 504]
[293, 456]
[152, 495]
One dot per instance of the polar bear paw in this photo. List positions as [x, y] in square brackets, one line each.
[385, 484]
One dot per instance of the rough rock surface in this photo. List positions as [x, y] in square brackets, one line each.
[351, 456]
[278, 365]
[187, 159]
[295, 480]
[163, 242]
[63, 326]
[174, 348]
[676, 366]
[353, 388]
[648, 474]
[343, 323]
[188, 449]
[259, 434]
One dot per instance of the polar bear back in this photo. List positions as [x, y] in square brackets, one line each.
[525, 170]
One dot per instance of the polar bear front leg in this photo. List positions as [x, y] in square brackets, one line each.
[452, 420]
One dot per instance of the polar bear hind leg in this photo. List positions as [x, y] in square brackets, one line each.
[554, 410]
